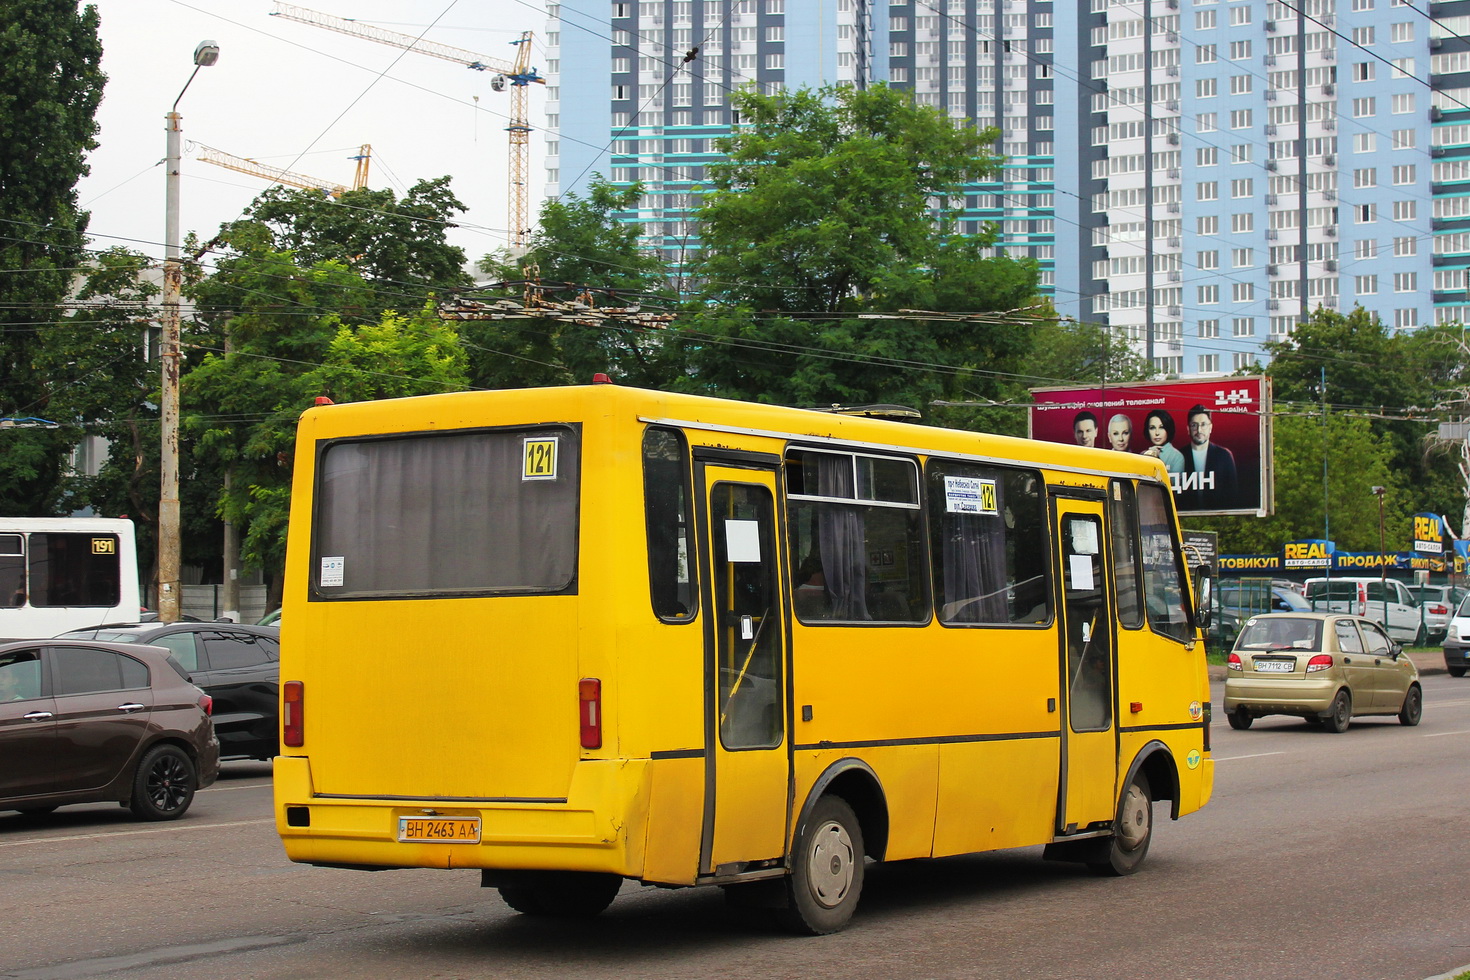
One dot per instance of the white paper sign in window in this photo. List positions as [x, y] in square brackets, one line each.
[1081, 568]
[1084, 537]
[969, 495]
[332, 571]
[742, 541]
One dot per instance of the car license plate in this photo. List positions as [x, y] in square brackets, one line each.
[1275, 666]
[439, 830]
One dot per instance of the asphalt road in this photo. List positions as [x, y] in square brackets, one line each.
[1340, 857]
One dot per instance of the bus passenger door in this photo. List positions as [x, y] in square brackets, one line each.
[747, 762]
[1089, 742]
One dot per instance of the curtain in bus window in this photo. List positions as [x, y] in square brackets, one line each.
[1163, 578]
[446, 513]
[988, 537]
[974, 557]
[841, 541]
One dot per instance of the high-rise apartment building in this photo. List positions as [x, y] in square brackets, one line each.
[1197, 174]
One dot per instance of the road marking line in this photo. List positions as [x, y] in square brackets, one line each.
[1256, 755]
[135, 833]
[220, 788]
[1438, 734]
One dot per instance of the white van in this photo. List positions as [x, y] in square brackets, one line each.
[1385, 601]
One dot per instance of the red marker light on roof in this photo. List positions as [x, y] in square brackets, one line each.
[601, 379]
[322, 400]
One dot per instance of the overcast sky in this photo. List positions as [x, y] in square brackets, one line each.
[304, 99]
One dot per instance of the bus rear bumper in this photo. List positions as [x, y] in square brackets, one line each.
[580, 834]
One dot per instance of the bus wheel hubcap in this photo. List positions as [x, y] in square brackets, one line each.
[1133, 828]
[831, 866]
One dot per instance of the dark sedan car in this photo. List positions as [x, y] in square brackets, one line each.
[239, 666]
[87, 722]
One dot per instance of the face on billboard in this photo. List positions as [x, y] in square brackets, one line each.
[1199, 429]
[1120, 431]
[1084, 430]
[1157, 433]
[1210, 435]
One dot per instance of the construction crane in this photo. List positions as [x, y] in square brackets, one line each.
[516, 74]
[245, 165]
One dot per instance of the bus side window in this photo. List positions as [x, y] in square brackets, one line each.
[1124, 523]
[1163, 571]
[12, 570]
[666, 510]
[988, 539]
[856, 541]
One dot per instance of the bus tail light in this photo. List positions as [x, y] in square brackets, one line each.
[1321, 661]
[292, 714]
[1233, 661]
[589, 711]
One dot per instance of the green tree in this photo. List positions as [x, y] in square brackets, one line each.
[104, 385]
[247, 400]
[579, 253]
[1344, 506]
[53, 84]
[399, 245]
[1393, 380]
[821, 229]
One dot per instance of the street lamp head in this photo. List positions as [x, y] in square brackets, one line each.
[206, 54]
[1380, 491]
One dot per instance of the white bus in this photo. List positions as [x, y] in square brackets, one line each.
[64, 573]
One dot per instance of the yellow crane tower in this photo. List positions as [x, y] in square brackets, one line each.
[245, 165]
[517, 74]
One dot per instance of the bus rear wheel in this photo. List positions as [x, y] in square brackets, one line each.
[562, 894]
[1133, 830]
[826, 870]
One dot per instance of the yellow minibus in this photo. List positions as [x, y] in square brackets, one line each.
[575, 636]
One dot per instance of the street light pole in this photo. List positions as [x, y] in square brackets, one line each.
[207, 53]
[1382, 554]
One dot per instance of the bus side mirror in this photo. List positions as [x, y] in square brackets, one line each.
[1204, 593]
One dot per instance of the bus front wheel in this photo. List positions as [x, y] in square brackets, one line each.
[562, 894]
[1132, 831]
[826, 870]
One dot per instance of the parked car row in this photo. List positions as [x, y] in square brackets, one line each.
[137, 713]
[1416, 615]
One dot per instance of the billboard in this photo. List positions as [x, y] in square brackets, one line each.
[1214, 437]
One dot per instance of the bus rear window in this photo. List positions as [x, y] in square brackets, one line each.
[467, 512]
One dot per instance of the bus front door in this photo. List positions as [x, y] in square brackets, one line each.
[747, 776]
[1089, 740]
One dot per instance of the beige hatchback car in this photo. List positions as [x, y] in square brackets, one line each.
[1323, 667]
